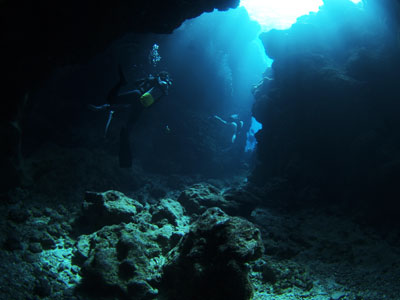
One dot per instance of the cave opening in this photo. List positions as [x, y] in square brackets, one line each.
[279, 14]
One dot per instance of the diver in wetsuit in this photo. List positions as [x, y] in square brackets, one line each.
[234, 125]
[149, 91]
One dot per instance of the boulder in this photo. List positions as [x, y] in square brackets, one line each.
[108, 208]
[199, 197]
[214, 253]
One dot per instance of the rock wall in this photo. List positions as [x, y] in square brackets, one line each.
[330, 111]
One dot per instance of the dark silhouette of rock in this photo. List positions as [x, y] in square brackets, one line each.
[210, 261]
[330, 111]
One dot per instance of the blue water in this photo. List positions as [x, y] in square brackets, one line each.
[251, 141]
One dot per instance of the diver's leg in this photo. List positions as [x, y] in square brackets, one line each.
[135, 111]
[125, 151]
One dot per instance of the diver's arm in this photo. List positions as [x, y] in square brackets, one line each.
[233, 138]
[163, 85]
[234, 125]
[220, 120]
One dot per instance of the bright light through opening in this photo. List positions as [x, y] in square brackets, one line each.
[280, 14]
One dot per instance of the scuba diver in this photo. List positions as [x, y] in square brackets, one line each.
[149, 91]
[234, 125]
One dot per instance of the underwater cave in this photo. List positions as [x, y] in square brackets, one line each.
[218, 149]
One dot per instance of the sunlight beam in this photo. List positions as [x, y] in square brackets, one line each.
[272, 14]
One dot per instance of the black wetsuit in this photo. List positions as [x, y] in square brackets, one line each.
[153, 85]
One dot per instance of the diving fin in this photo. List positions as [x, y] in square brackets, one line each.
[125, 155]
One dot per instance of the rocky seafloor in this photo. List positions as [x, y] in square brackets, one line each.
[179, 237]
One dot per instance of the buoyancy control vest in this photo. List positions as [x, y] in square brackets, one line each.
[155, 93]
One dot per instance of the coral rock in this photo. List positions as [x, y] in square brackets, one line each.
[215, 252]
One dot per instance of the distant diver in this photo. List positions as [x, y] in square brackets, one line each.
[149, 90]
[233, 124]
